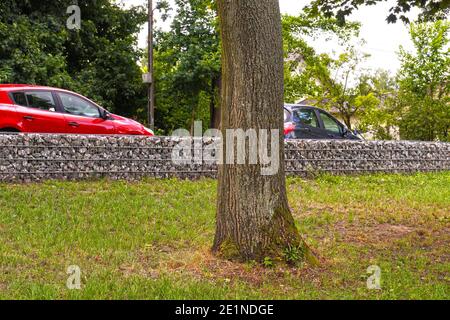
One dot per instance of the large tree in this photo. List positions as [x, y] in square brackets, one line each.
[253, 216]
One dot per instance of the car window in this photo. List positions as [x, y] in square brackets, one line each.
[330, 124]
[78, 106]
[20, 99]
[306, 117]
[42, 100]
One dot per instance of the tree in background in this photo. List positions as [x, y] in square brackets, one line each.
[350, 100]
[305, 71]
[424, 84]
[333, 84]
[379, 119]
[99, 60]
[342, 87]
[187, 67]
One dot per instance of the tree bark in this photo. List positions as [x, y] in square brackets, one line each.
[253, 217]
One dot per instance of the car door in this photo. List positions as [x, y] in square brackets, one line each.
[307, 125]
[82, 116]
[37, 112]
[332, 128]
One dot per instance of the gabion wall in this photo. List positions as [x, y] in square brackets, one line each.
[35, 157]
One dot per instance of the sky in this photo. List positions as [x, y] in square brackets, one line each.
[382, 40]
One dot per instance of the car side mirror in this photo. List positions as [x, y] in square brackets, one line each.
[104, 114]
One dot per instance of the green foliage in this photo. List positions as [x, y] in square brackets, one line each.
[32, 52]
[378, 117]
[378, 120]
[348, 92]
[430, 10]
[99, 60]
[268, 262]
[294, 254]
[424, 84]
[187, 66]
[305, 71]
[325, 81]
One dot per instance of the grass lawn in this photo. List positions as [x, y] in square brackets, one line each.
[151, 240]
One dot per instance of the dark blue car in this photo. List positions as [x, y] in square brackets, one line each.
[306, 122]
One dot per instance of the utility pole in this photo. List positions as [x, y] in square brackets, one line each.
[151, 89]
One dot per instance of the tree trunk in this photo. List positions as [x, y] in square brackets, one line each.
[348, 121]
[253, 217]
[214, 110]
[345, 115]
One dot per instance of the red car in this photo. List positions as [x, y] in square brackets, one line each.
[37, 109]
